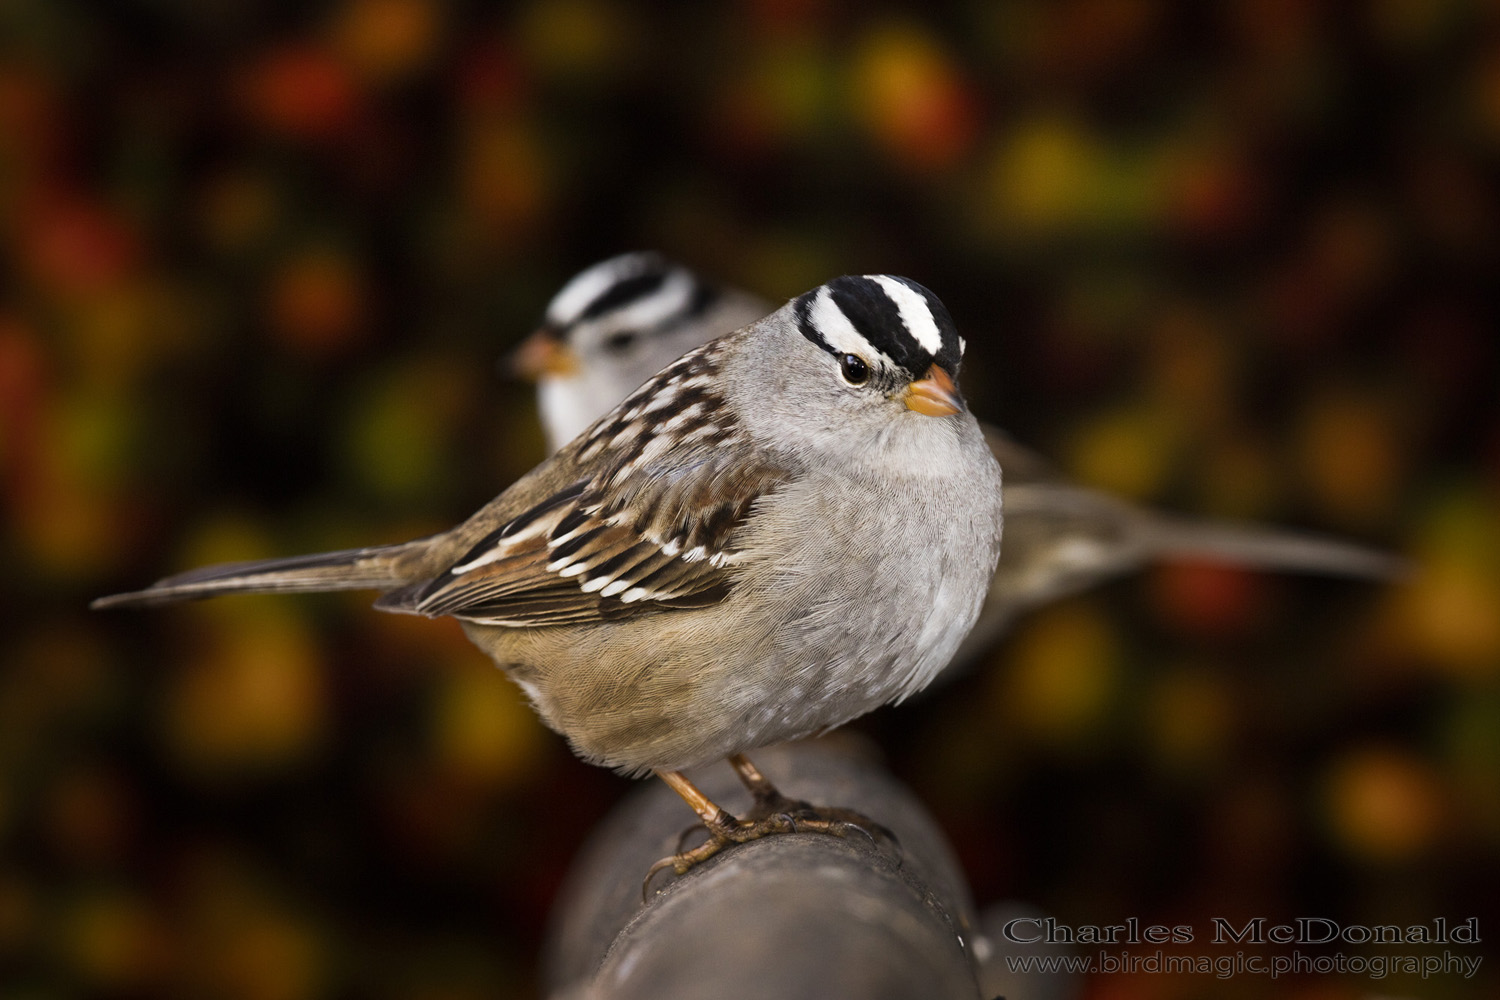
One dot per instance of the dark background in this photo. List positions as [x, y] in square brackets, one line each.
[259, 262]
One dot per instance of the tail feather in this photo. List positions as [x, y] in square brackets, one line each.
[1104, 536]
[1267, 548]
[374, 568]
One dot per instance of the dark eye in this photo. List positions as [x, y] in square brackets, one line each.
[855, 369]
[618, 342]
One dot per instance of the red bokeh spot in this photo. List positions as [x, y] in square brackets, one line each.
[71, 245]
[301, 91]
[1208, 599]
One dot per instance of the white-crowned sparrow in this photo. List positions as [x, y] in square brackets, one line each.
[615, 323]
[783, 529]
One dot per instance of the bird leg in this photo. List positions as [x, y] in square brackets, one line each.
[768, 798]
[805, 817]
[773, 813]
[723, 829]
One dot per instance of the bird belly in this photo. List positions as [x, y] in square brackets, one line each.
[792, 651]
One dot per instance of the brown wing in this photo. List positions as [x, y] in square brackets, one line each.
[633, 539]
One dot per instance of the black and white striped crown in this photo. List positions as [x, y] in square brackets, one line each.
[893, 319]
[645, 287]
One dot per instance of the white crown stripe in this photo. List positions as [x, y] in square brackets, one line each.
[673, 297]
[915, 312]
[588, 285]
[838, 331]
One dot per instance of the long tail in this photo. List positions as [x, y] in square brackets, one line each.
[1169, 536]
[1085, 536]
[376, 568]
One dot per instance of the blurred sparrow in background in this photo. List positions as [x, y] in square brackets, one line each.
[615, 324]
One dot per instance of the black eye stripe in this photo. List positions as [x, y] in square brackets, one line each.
[620, 340]
[704, 296]
[801, 311]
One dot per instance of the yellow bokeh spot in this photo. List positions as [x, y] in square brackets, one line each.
[401, 426]
[579, 38]
[782, 92]
[905, 90]
[69, 514]
[112, 939]
[1062, 675]
[894, 62]
[482, 727]
[1188, 719]
[1128, 451]
[1448, 613]
[1054, 177]
[1452, 615]
[503, 175]
[252, 698]
[1044, 174]
[1462, 528]
[1382, 805]
[386, 40]
[224, 538]
[115, 337]
[1349, 458]
[270, 957]
[90, 437]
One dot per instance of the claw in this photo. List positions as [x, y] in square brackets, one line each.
[730, 832]
[666, 862]
[721, 834]
[868, 835]
[773, 813]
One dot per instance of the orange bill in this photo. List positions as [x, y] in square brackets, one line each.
[934, 394]
[543, 354]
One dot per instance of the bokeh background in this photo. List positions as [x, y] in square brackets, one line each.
[259, 260]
